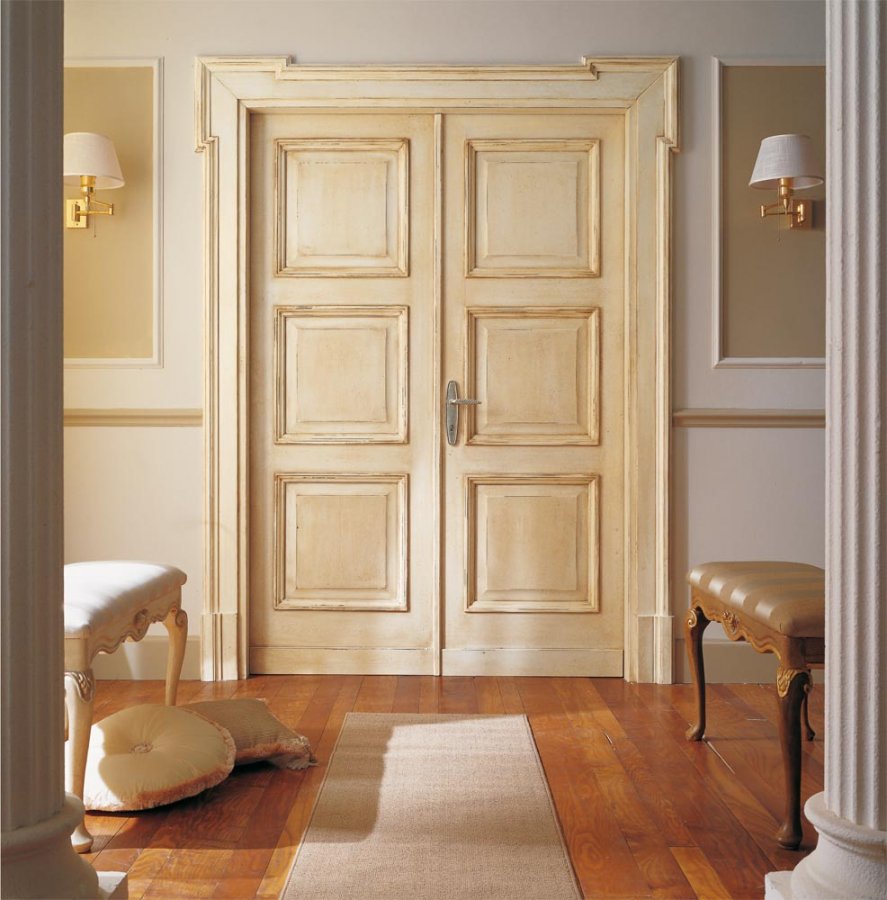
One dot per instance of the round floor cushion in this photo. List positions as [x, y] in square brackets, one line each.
[149, 755]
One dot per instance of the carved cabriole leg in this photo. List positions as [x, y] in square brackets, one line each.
[791, 687]
[694, 626]
[79, 695]
[176, 623]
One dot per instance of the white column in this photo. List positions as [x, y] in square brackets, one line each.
[850, 859]
[37, 816]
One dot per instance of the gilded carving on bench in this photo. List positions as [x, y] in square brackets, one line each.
[731, 623]
[784, 678]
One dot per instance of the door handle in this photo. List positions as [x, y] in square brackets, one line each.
[452, 411]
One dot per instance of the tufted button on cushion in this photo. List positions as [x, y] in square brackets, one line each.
[787, 597]
[149, 755]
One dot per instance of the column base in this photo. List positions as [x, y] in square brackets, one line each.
[850, 860]
[39, 861]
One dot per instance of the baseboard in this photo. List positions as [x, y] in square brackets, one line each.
[339, 661]
[572, 662]
[146, 659]
[727, 662]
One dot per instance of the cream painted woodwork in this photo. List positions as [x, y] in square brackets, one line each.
[341, 439]
[533, 313]
[343, 265]
[525, 279]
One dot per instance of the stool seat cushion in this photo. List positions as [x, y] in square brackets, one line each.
[151, 754]
[787, 597]
[104, 596]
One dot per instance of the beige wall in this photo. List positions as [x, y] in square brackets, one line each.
[108, 288]
[746, 462]
[773, 277]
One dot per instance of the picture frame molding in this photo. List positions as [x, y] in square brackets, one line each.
[720, 360]
[155, 360]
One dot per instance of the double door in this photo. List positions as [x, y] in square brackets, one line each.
[436, 392]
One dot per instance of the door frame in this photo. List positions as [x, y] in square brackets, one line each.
[228, 89]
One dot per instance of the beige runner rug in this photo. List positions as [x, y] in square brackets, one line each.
[433, 807]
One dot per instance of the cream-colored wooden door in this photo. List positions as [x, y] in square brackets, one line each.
[534, 292]
[347, 550]
[341, 399]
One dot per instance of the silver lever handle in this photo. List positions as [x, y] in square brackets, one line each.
[452, 411]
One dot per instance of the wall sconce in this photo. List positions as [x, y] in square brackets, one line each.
[786, 162]
[91, 162]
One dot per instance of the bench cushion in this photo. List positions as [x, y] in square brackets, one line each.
[104, 596]
[787, 597]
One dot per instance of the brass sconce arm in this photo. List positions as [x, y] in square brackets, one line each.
[798, 211]
[79, 209]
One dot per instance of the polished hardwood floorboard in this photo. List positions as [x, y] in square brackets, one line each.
[644, 812]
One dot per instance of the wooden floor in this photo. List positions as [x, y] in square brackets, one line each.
[644, 812]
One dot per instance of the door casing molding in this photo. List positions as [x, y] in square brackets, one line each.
[228, 89]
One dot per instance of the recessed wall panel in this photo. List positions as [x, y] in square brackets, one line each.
[533, 208]
[340, 542]
[536, 373]
[342, 207]
[341, 374]
[533, 544]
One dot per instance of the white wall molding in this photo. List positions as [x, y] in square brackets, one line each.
[133, 418]
[719, 359]
[748, 418]
[851, 814]
[155, 361]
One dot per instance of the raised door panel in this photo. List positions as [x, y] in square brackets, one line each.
[341, 374]
[342, 207]
[533, 208]
[536, 374]
[533, 544]
[341, 542]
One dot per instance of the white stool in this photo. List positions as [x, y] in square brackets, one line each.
[107, 603]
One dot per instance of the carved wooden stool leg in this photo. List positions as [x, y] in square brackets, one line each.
[79, 695]
[176, 624]
[694, 626]
[791, 687]
[808, 731]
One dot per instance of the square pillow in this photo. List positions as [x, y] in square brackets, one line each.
[257, 733]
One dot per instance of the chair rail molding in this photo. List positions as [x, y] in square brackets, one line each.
[748, 418]
[228, 89]
[101, 417]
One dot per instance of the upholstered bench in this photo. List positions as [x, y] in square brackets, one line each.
[778, 608]
[107, 603]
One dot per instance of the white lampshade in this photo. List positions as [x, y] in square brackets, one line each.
[786, 156]
[92, 154]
